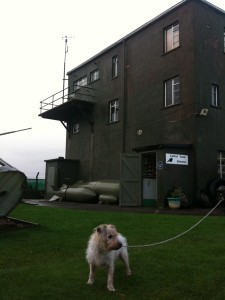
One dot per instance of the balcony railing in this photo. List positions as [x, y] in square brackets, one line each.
[73, 92]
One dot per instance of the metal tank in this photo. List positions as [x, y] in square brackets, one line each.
[105, 191]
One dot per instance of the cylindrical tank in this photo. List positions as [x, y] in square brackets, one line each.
[106, 187]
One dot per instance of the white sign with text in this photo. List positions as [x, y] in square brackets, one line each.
[176, 159]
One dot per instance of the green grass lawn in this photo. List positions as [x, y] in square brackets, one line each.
[48, 261]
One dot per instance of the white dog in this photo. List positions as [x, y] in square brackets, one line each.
[104, 247]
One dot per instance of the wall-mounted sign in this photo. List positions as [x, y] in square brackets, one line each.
[176, 159]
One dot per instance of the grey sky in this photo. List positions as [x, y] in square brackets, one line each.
[31, 59]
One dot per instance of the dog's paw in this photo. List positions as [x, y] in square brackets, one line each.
[110, 287]
[129, 273]
[90, 281]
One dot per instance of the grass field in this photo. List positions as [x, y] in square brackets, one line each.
[48, 262]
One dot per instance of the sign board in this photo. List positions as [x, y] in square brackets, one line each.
[176, 159]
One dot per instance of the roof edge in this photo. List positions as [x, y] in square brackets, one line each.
[179, 4]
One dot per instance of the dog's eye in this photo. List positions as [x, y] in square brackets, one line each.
[110, 236]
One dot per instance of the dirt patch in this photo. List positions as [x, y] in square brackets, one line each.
[11, 223]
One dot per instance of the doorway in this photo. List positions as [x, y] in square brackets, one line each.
[149, 182]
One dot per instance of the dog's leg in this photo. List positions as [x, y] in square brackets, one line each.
[125, 259]
[91, 278]
[110, 278]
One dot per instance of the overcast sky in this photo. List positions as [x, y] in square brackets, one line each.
[31, 64]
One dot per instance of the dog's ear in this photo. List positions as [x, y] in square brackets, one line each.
[101, 228]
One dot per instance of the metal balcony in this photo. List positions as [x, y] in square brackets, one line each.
[62, 105]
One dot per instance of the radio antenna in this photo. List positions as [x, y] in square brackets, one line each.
[65, 38]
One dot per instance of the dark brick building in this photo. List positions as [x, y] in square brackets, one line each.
[149, 110]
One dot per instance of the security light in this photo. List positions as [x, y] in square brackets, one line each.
[204, 112]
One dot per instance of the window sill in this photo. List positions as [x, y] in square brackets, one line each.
[170, 106]
[110, 123]
[165, 53]
[94, 81]
[215, 106]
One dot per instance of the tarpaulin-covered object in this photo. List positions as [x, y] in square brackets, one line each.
[12, 183]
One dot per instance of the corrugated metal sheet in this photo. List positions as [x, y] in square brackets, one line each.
[12, 183]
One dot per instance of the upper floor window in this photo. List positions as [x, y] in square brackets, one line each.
[79, 83]
[172, 91]
[94, 75]
[214, 95]
[114, 66]
[113, 111]
[224, 40]
[171, 37]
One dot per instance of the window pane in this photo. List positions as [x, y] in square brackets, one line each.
[169, 40]
[214, 95]
[175, 36]
[176, 90]
[79, 83]
[172, 91]
[168, 92]
[114, 66]
[114, 111]
[172, 37]
[221, 164]
[94, 75]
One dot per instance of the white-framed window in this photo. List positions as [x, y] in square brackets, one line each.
[113, 111]
[214, 95]
[75, 128]
[221, 163]
[171, 37]
[172, 91]
[94, 75]
[114, 66]
[79, 83]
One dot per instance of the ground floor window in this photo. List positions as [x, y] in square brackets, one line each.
[214, 95]
[75, 128]
[221, 163]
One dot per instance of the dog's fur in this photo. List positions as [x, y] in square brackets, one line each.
[104, 247]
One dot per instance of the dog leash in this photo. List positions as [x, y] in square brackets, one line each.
[182, 233]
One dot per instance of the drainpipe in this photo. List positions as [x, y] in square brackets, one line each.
[124, 96]
[92, 150]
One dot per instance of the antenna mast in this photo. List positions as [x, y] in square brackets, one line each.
[64, 69]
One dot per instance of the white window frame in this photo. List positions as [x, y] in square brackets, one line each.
[221, 164]
[215, 95]
[171, 37]
[75, 128]
[94, 75]
[114, 66]
[172, 91]
[114, 111]
[79, 83]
